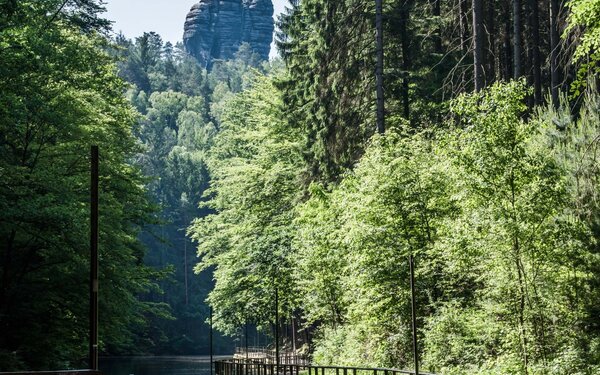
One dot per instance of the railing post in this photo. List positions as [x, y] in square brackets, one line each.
[277, 327]
[411, 261]
[211, 341]
[94, 259]
[246, 339]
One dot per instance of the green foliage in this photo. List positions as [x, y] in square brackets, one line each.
[388, 208]
[291, 191]
[584, 24]
[254, 165]
[61, 94]
[498, 211]
[182, 107]
[517, 229]
[329, 89]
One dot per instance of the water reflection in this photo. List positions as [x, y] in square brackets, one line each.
[155, 366]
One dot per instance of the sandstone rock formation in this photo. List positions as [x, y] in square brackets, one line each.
[214, 29]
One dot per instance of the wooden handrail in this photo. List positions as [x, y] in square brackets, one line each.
[63, 372]
[241, 367]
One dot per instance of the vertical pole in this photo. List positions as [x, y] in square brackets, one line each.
[379, 67]
[277, 328]
[94, 260]
[246, 339]
[211, 341]
[411, 262]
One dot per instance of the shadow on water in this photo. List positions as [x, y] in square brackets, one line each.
[184, 365]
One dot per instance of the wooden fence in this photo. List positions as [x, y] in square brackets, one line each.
[257, 367]
[64, 372]
[269, 356]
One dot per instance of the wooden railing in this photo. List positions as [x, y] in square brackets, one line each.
[269, 356]
[64, 372]
[242, 367]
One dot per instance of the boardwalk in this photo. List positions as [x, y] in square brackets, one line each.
[255, 367]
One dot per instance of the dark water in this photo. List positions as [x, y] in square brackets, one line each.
[155, 366]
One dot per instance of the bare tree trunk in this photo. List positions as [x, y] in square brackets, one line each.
[506, 43]
[438, 38]
[185, 270]
[463, 22]
[478, 43]
[554, 52]
[379, 67]
[294, 334]
[535, 51]
[490, 24]
[517, 45]
[406, 59]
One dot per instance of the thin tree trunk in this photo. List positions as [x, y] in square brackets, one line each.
[463, 18]
[517, 45]
[406, 59]
[438, 38]
[491, 41]
[6, 266]
[478, 43]
[535, 52]
[520, 275]
[463, 22]
[522, 306]
[294, 334]
[554, 51]
[379, 67]
[506, 44]
[185, 270]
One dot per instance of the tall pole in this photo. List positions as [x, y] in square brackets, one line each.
[379, 67]
[94, 260]
[211, 340]
[411, 262]
[277, 328]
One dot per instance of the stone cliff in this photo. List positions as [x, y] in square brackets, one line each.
[214, 29]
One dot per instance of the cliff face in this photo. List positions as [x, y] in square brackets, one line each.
[214, 29]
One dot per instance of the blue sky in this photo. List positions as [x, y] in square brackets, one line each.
[166, 17]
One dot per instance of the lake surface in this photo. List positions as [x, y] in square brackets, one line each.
[187, 365]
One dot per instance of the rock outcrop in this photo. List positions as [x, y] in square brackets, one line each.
[214, 29]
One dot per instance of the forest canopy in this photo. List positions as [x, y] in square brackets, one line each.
[281, 176]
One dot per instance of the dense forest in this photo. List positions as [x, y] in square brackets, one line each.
[483, 168]
[179, 104]
[60, 94]
[464, 136]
